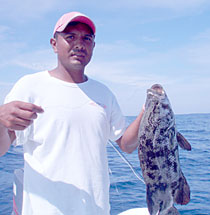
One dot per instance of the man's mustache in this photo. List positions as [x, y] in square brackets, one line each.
[79, 51]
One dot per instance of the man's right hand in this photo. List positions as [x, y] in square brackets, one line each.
[18, 115]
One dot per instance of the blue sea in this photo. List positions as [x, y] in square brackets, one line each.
[126, 190]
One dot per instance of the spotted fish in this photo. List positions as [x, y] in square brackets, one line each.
[159, 156]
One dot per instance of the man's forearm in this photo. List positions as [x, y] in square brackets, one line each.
[6, 138]
[129, 141]
[15, 115]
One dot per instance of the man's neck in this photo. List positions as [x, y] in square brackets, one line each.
[72, 77]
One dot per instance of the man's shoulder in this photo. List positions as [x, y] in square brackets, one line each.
[34, 76]
[29, 79]
[24, 87]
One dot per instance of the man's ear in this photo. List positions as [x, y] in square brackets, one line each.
[53, 43]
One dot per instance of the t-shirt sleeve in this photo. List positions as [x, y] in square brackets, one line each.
[19, 93]
[118, 122]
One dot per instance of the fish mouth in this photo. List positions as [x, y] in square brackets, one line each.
[156, 89]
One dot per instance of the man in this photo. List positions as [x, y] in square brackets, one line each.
[64, 120]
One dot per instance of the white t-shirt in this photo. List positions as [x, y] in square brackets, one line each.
[66, 167]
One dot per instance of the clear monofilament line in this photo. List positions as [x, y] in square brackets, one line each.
[127, 162]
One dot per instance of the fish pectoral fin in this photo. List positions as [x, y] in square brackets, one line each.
[182, 194]
[183, 143]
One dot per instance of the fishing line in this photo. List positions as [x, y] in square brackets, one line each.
[115, 184]
[127, 162]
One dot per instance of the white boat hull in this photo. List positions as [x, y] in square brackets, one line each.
[136, 211]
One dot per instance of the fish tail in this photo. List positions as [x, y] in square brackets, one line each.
[172, 211]
[182, 194]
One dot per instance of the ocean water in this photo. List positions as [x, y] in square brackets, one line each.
[126, 191]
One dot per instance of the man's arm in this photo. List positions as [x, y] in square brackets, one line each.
[6, 139]
[129, 141]
[15, 115]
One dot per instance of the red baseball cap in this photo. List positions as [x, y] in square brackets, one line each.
[73, 17]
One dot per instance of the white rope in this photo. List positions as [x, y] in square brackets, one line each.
[127, 162]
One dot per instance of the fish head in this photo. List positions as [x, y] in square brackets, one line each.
[158, 106]
[156, 93]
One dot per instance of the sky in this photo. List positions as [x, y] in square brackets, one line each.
[138, 43]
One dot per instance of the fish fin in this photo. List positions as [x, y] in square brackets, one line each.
[183, 143]
[150, 203]
[182, 193]
[172, 211]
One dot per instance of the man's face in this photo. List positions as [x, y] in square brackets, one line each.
[74, 46]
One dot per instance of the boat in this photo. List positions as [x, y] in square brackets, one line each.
[135, 211]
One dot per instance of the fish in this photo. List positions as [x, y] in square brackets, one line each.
[158, 153]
